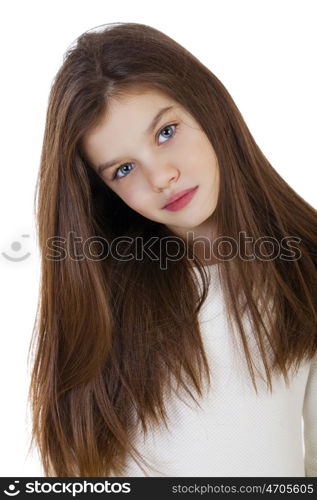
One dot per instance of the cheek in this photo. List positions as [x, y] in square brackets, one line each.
[135, 194]
[208, 161]
[212, 169]
[141, 204]
[196, 153]
[125, 191]
[134, 199]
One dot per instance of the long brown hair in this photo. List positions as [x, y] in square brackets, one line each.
[111, 334]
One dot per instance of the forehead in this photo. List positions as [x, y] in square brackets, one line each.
[133, 106]
[139, 101]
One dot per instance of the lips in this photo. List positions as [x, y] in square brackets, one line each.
[178, 195]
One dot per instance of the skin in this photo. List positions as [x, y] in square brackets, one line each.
[166, 161]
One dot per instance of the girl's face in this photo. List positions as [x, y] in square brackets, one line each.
[146, 154]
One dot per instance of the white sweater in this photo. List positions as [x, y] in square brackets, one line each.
[235, 433]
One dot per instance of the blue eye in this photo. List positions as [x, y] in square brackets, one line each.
[122, 167]
[167, 127]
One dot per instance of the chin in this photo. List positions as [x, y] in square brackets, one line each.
[194, 222]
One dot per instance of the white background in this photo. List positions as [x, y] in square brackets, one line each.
[264, 52]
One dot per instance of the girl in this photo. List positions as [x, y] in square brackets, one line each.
[176, 330]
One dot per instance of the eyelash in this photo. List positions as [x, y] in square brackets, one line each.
[157, 135]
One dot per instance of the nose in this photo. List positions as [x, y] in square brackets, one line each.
[160, 178]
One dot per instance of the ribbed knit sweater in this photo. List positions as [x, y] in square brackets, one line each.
[235, 432]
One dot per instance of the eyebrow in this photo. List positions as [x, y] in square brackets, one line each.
[150, 128]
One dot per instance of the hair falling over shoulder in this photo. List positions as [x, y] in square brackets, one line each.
[109, 336]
